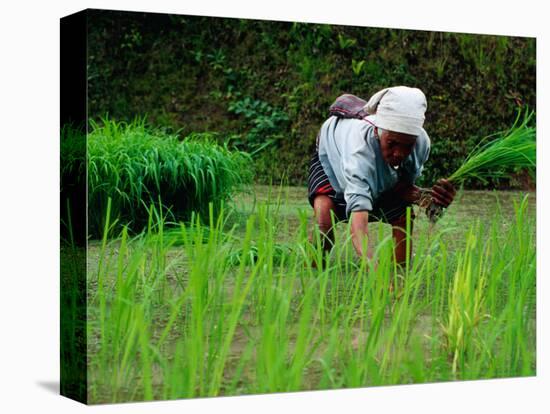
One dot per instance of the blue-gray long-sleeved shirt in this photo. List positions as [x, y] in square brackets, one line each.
[350, 154]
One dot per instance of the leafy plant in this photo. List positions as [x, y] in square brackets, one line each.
[357, 66]
[267, 124]
[217, 59]
[345, 42]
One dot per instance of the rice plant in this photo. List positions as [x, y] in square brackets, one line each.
[136, 166]
[174, 315]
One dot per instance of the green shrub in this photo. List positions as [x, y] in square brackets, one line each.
[266, 122]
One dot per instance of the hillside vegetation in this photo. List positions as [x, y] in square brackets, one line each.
[265, 87]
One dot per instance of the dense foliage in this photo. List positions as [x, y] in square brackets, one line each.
[266, 86]
[138, 167]
[73, 184]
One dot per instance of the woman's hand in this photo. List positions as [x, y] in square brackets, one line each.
[407, 192]
[443, 192]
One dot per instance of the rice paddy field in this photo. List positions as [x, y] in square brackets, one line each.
[231, 304]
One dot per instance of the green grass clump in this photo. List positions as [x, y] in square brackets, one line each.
[73, 184]
[73, 156]
[138, 166]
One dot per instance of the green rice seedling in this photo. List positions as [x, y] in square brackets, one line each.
[490, 326]
[518, 310]
[136, 166]
[73, 155]
[495, 157]
[73, 184]
[466, 299]
[173, 317]
[73, 341]
[511, 150]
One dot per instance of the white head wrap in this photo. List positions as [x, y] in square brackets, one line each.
[399, 109]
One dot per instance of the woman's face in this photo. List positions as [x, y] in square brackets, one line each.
[395, 146]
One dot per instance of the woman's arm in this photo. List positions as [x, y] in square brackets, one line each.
[407, 192]
[359, 232]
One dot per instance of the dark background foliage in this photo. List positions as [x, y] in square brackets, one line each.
[265, 86]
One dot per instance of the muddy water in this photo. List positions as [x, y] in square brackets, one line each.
[467, 203]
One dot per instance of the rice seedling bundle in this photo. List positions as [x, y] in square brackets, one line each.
[137, 166]
[514, 149]
[495, 157]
